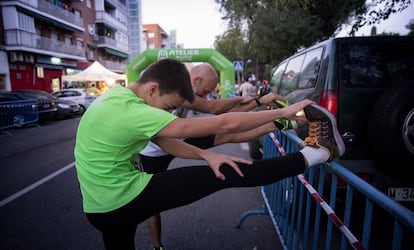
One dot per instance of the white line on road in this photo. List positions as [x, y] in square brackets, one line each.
[244, 146]
[35, 185]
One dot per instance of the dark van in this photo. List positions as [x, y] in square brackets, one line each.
[368, 84]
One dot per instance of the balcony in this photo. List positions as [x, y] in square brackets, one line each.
[102, 16]
[114, 66]
[62, 12]
[25, 41]
[118, 4]
[62, 15]
[107, 42]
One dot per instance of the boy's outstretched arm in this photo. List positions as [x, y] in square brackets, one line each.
[231, 122]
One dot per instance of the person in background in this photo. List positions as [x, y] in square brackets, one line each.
[247, 88]
[117, 196]
[103, 87]
[93, 90]
[203, 79]
[237, 88]
[253, 79]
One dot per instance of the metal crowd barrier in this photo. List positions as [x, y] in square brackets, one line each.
[365, 217]
[17, 114]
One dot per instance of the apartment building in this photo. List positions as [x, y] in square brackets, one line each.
[41, 40]
[155, 37]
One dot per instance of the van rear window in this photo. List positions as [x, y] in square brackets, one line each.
[375, 64]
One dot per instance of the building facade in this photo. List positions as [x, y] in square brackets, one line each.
[136, 38]
[41, 40]
[155, 37]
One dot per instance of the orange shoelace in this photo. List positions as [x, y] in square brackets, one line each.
[317, 129]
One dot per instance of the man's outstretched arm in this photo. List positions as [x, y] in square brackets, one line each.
[217, 106]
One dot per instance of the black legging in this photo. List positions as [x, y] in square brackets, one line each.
[181, 186]
[157, 164]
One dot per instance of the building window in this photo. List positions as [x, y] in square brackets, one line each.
[3, 82]
[88, 4]
[40, 72]
[22, 66]
[79, 43]
[151, 34]
[68, 40]
[151, 46]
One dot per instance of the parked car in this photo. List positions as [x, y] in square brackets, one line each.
[368, 84]
[67, 109]
[46, 104]
[79, 96]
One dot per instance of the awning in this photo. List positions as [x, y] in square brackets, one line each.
[95, 72]
[108, 26]
[116, 53]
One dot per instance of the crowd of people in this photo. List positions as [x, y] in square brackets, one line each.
[249, 87]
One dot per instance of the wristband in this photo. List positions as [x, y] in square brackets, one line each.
[258, 101]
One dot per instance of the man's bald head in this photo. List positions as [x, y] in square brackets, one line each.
[203, 78]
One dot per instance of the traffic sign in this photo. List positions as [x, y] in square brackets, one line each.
[238, 65]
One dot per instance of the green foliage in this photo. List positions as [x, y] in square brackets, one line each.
[373, 31]
[410, 26]
[270, 30]
[232, 44]
[376, 11]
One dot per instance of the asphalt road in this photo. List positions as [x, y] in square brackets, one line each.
[40, 202]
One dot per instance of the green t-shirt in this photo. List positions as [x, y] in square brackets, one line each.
[116, 127]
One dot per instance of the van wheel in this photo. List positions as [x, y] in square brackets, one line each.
[82, 109]
[391, 130]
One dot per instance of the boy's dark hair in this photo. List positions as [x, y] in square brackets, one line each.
[171, 75]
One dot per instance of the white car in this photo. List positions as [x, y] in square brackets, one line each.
[77, 95]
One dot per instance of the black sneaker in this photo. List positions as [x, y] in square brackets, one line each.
[323, 131]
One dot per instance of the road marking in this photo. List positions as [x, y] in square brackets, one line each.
[244, 146]
[35, 185]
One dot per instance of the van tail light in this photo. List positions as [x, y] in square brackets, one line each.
[329, 100]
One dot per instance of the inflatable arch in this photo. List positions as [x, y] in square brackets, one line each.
[217, 60]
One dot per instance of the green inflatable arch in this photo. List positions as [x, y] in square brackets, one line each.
[217, 60]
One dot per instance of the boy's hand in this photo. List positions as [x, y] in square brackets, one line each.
[216, 160]
[295, 111]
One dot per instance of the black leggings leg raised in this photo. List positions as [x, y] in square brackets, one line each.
[181, 186]
[156, 164]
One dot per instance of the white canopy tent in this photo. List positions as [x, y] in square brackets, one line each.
[95, 72]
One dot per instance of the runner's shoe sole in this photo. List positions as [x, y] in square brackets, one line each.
[330, 137]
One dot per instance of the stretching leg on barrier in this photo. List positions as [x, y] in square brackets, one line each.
[117, 197]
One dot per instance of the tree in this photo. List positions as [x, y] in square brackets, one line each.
[277, 28]
[375, 11]
[373, 31]
[232, 44]
[410, 26]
